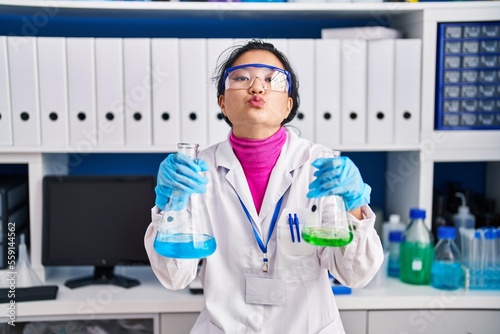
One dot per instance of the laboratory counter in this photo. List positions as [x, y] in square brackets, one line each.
[151, 299]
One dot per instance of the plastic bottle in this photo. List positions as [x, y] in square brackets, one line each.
[463, 218]
[395, 239]
[439, 217]
[447, 269]
[393, 224]
[417, 251]
[185, 233]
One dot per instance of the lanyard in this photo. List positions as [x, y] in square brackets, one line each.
[263, 247]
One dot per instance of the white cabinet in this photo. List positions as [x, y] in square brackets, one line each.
[96, 323]
[354, 321]
[177, 323]
[181, 323]
[436, 321]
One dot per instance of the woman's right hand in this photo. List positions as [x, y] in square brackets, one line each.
[178, 177]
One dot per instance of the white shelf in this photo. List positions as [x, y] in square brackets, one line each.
[367, 7]
[463, 146]
[232, 6]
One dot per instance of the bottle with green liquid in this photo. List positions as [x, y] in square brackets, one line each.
[417, 251]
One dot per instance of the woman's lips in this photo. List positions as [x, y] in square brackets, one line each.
[256, 102]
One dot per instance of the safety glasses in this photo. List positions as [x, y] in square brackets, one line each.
[272, 78]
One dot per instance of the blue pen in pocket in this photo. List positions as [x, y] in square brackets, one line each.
[296, 223]
[291, 223]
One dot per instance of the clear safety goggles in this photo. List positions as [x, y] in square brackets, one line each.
[272, 78]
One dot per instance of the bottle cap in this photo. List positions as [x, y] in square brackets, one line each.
[447, 232]
[394, 218]
[395, 236]
[416, 213]
[489, 234]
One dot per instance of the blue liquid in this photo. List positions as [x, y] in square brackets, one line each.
[393, 269]
[446, 275]
[185, 246]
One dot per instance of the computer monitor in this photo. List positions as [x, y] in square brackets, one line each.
[96, 221]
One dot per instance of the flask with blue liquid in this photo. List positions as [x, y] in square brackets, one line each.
[446, 269]
[185, 232]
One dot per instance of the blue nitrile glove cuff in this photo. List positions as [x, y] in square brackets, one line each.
[178, 178]
[161, 197]
[339, 176]
[362, 199]
[177, 200]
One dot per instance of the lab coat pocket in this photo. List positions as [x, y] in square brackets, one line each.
[334, 327]
[212, 329]
[290, 232]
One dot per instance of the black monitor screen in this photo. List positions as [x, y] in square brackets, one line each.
[96, 220]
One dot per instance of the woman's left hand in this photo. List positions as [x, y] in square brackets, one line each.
[339, 176]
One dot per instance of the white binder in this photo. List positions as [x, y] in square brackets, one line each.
[53, 91]
[407, 90]
[83, 131]
[218, 129]
[301, 56]
[353, 115]
[380, 124]
[281, 44]
[5, 111]
[166, 92]
[327, 91]
[193, 81]
[24, 90]
[138, 83]
[109, 87]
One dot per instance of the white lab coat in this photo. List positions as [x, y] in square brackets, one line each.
[310, 305]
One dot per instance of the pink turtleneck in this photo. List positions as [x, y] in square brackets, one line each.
[258, 157]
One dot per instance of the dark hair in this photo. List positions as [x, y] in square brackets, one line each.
[256, 44]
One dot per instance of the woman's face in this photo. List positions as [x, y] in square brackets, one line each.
[256, 112]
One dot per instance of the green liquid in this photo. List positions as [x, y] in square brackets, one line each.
[416, 262]
[326, 237]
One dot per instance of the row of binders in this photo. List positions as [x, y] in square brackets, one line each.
[86, 93]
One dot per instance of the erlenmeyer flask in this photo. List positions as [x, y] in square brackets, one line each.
[328, 224]
[185, 233]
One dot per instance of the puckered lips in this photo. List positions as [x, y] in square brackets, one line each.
[256, 101]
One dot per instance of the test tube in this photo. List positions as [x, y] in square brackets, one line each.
[497, 250]
[497, 264]
[477, 260]
[489, 246]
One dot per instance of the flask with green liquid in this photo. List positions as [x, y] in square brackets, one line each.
[328, 224]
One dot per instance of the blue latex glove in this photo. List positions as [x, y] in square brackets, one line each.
[339, 176]
[178, 177]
